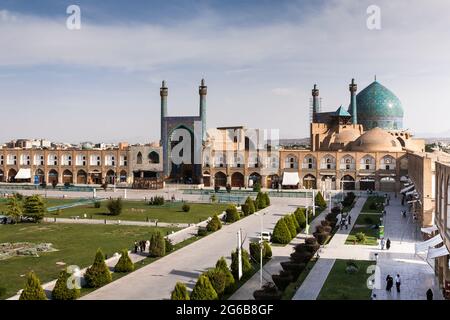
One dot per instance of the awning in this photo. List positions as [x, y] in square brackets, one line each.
[429, 230]
[423, 246]
[290, 179]
[404, 179]
[407, 189]
[437, 252]
[23, 174]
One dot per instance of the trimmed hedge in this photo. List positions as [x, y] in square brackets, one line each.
[218, 280]
[186, 207]
[250, 203]
[290, 225]
[214, 224]
[246, 265]
[320, 201]
[267, 250]
[281, 233]
[283, 279]
[255, 251]
[61, 291]
[124, 264]
[33, 289]
[98, 274]
[300, 215]
[301, 257]
[294, 268]
[115, 206]
[268, 292]
[232, 215]
[180, 292]
[157, 245]
[203, 290]
[229, 278]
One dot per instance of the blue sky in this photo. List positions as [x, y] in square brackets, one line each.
[259, 58]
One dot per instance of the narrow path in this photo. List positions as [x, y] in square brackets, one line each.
[117, 222]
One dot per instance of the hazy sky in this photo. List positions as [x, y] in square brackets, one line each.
[259, 58]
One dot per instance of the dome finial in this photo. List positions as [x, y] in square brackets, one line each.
[375, 77]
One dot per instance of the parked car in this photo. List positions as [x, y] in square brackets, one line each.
[266, 236]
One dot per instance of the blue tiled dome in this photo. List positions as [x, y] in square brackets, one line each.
[377, 106]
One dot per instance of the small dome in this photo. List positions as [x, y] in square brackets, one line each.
[375, 140]
[346, 136]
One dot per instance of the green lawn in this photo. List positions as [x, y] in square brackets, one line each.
[370, 200]
[341, 285]
[49, 202]
[371, 236]
[141, 211]
[76, 245]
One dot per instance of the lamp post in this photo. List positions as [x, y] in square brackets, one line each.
[261, 244]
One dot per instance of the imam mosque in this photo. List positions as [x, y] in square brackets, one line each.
[361, 147]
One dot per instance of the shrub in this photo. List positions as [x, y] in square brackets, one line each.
[124, 264]
[321, 237]
[301, 257]
[303, 247]
[202, 231]
[291, 226]
[295, 222]
[213, 198]
[61, 291]
[168, 244]
[214, 224]
[332, 219]
[336, 210]
[186, 207]
[268, 292]
[325, 223]
[257, 187]
[294, 268]
[34, 208]
[255, 251]
[327, 229]
[246, 265]
[14, 210]
[180, 292]
[98, 274]
[229, 279]
[300, 216]
[281, 233]
[251, 205]
[310, 240]
[244, 209]
[97, 204]
[351, 267]
[267, 199]
[115, 206]
[218, 280]
[232, 215]
[282, 280]
[261, 201]
[156, 201]
[361, 237]
[320, 201]
[203, 290]
[157, 245]
[33, 289]
[319, 228]
[267, 250]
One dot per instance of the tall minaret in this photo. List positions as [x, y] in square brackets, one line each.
[353, 88]
[163, 92]
[315, 95]
[202, 90]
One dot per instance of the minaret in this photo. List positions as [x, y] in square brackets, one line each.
[353, 88]
[315, 94]
[202, 90]
[163, 92]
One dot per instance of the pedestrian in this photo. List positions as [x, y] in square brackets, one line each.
[429, 294]
[135, 246]
[398, 282]
[346, 224]
[384, 212]
[349, 219]
[382, 242]
[147, 244]
[374, 297]
[389, 283]
[388, 244]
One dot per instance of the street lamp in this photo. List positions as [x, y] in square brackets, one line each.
[261, 244]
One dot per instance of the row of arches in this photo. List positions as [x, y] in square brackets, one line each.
[152, 157]
[347, 162]
[237, 179]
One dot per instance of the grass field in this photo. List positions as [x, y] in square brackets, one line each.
[141, 211]
[49, 202]
[341, 285]
[371, 236]
[370, 200]
[76, 245]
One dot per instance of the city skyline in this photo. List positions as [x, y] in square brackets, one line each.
[101, 83]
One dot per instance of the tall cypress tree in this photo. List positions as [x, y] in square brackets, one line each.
[98, 274]
[33, 289]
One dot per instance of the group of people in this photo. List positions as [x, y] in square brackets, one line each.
[141, 246]
[390, 283]
[345, 221]
[386, 243]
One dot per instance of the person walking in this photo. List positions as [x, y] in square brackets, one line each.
[429, 294]
[346, 223]
[349, 219]
[135, 246]
[398, 282]
[382, 243]
[389, 283]
[388, 244]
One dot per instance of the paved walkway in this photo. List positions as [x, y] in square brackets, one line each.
[157, 280]
[117, 222]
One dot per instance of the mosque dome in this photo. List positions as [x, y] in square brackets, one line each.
[377, 106]
[346, 136]
[376, 140]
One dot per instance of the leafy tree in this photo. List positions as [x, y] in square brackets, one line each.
[257, 187]
[246, 265]
[115, 206]
[229, 279]
[124, 264]
[320, 201]
[180, 292]
[203, 290]
[251, 205]
[157, 245]
[281, 233]
[98, 274]
[232, 215]
[34, 208]
[14, 209]
[218, 280]
[61, 290]
[290, 225]
[214, 224]
[33, 289]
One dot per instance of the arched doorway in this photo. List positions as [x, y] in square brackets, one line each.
[220, 179]
[153, 157]
[2, 176]
[39, 176]
[53, 177]
[123, 176]
[309, 182]
[82, 177]
[348, 182]
[96, 177]
[367, 183]
[253, 179]
[329, 182]
[237, 180]
[273, 181]
[387, 184]
[11, 175]
[67, 177]
[206, 179]
[110, 177]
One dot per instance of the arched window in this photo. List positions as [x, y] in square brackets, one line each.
[309, 162]
[153, 157]
[387, 163]
[139, 158]
[328, 162]
[291, 162]
[367, 163]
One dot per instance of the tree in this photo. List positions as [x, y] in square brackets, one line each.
[300, 216]
[257, 187]
[267, 250]
[203, 290]
[14, 210]
[320, 201]
[255, 251]
[281, 233]
[98, 274]
[61, 290]
[157, 245]
[180, 292]
[34, 208]
[290, 225]
[260, 201]
[186, 207]
[295, 222]
[214, 224]
[168, 244]
[232, 214]
[115, 206]
[267, 199]
[124, 264]
[218, 280]
[33, 289]
[229, 279]
[246, 265]
[251, 205]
